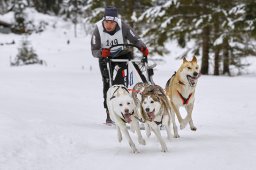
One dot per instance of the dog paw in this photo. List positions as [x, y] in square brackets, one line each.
[135, 150]
[164, 149]
[193, 128]
[176, 135]
[133, 147]
[142, 141]
[120, 138]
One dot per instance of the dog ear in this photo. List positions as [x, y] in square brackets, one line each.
[184, 60]
[194, 59]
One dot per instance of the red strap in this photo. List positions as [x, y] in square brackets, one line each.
[137, 91]
[184, 100]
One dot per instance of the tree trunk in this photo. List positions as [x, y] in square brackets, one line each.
[205, 57]
[75, 29]
[216, 61]
[2, 7]
[216, 48]
[75, 19]
[226, 60]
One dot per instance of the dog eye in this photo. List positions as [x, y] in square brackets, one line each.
[196, 67]
[152, 102]
[120, 104]
[128, 103]
[189, 68]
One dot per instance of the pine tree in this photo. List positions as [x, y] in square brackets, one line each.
[4, 6]
[77, 13]
[74, 11]
[250, 10]
[208, 24]
[171, 20]
[237, 42]
[26, 55]
[47, 6]
[19, 15]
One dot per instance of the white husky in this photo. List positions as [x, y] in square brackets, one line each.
[122, 110]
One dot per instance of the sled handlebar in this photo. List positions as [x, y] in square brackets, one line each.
[125, 45]
[125, 60]
[130, 45]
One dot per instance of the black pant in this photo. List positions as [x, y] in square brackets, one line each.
[119, 78]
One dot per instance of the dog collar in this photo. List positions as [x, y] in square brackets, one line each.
[184, 100]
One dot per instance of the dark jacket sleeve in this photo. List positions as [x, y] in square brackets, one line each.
[130, 35]
[95, 43]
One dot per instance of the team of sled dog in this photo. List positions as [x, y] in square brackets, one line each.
[152, 106]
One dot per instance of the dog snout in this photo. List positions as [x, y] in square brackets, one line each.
[147, 109]
[126, 111]
[195, 74]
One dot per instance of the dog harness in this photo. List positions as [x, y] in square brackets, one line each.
[180, 82]
[113, 96]
[159, 123]
[184, 100]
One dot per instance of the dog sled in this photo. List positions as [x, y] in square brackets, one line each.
[127, 68]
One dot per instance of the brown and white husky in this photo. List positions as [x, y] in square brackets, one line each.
[180, 89]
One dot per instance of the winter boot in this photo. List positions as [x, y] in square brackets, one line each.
[108, 120]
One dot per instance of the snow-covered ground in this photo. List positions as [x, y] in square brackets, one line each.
[51, 117]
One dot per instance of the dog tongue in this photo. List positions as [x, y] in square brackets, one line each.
[192, 80]
[151, 116]
[127, 118]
